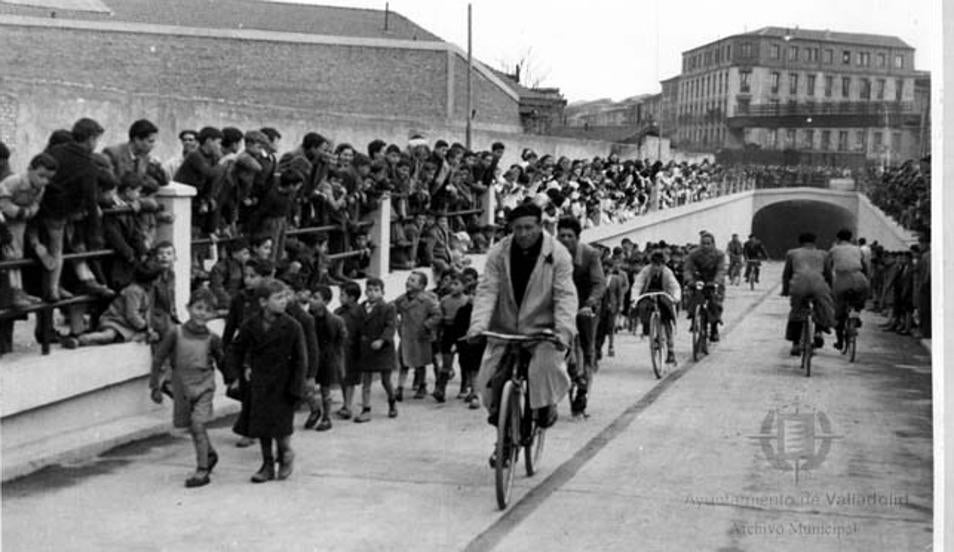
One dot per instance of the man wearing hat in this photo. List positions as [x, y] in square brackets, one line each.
[707, 264]
[527, 287]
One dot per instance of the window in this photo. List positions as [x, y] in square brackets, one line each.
[895, 141]
[829, 84]
[861, 140]
[810, 85]
[865, 89]
[842, 140]
[826, 140]
[878, 141]
[744, 79]
[864, 59]
[775, 77]
[746, 49]
[846, 57]
[809, 140]
[845, 87]
[899, 90]
[828, 56]
[774, 103]
[879, 89]
[880, 60]
[728, 52]
[774, 52]
[773, 138]
[793, 83]
[899, 61]
[742, 106]
[793, 53]
[790, 138]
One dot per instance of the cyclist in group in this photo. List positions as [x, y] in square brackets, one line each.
[849, 269]
[754, 252]
[590, 285]
[706, 264]
[805, 277]
[734, 250]
[658, 277]
[527, 287]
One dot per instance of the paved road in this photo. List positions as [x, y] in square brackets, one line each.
[681, 465]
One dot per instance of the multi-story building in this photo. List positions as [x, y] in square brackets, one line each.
[845, 95]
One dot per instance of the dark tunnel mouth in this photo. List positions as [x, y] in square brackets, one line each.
[779, 224]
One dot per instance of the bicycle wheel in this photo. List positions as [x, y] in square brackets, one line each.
[752, 277]
[508, 432]
[851, 340]
[696, 333]
[704, 329]
[655, 344]
[808, 345]
[533, 442]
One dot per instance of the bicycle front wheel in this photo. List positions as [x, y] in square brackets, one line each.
[655, 344]
[508, 444]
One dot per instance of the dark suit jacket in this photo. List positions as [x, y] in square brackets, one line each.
[588, 276]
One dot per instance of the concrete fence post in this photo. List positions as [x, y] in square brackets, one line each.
[488, 202]
[176, 198]
[381, 238]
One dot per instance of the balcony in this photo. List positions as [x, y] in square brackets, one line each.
[827, 114]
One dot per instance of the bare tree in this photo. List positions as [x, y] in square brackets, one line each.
[528, 69]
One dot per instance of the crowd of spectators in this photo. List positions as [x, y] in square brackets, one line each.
[903, 192]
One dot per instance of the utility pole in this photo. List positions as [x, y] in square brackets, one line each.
[470, 75]
[387, 12]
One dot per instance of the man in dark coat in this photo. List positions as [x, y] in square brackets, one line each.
[272, 343]
[590, 285]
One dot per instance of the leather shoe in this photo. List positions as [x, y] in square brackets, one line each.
[312, 419]
[286, 465]
[325, 425]
[199, 479]
[265, 473]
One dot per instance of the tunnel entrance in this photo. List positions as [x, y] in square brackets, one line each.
[778, 225]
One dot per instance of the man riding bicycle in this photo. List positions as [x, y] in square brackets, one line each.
[805, 277]
[527, 287]
[658, 277]
[849, 269]
[706, 264]
[734, 250]
[590, 285]
[754, 252]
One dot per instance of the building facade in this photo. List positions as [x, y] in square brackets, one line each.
[837, 96]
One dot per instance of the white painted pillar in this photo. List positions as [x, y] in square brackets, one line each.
[176, 198]
[380, 236]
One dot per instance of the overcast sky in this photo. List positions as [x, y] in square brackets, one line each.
[593, 49]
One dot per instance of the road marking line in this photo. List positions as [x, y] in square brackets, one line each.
[489, 538]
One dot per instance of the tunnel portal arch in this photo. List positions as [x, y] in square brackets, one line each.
[779, 224]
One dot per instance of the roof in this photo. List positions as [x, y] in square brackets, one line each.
[236, 14]
[526, 92]
[884, 41]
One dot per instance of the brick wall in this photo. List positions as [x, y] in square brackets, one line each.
[492, 104]
[9, 107]
[335, 78]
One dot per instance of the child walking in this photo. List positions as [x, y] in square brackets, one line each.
[353, 316]
[273, 345]
[451, 332]
[377, 347]
[419, 312]
[194, 352]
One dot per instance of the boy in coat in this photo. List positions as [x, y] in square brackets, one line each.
[332, 334]
[195, 352]
[420, 316]
[353, 316]
[377, 347]
[272, 344]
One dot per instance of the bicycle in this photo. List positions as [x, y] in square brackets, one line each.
[657, 337]
[700, 321]
[516, 427]
[850, 346]
[754, 265]
[735, 271]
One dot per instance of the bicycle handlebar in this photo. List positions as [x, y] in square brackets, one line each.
[522, 338]
[654, 294]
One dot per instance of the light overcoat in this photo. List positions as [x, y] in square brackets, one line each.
[549, 303]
